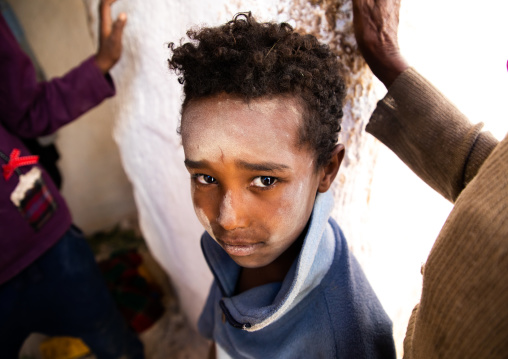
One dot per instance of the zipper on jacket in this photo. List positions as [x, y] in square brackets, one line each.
[232, 320]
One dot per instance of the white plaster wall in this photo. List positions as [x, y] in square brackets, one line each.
[94, 184]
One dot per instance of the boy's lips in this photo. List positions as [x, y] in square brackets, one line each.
[239, 248]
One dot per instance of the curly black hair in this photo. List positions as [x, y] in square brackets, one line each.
[250, 59]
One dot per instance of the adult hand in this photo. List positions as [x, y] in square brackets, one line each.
[375, 23]
[110, 37]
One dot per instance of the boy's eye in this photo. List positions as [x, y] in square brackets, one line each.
[264, 181]
[205, 179]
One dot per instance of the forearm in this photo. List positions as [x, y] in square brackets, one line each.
[414, 119]
[55, 103]
[31, 109]
[430, 134]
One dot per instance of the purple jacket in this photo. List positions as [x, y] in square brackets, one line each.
[29, 109]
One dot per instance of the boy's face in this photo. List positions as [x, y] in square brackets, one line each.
[252, 186]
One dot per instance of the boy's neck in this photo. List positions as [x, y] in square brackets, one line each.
[273, 272]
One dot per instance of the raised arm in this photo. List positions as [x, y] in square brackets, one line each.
[30, 109]
[414, 119]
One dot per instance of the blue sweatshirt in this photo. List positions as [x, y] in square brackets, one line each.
[324, 307]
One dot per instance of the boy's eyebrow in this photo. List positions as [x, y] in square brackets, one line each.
[263, 166]
[195, 164]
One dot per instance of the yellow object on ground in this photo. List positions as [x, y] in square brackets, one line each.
[63, 348]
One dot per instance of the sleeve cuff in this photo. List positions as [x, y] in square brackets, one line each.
[103, 84]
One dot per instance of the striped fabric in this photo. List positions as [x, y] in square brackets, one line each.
[38, 205]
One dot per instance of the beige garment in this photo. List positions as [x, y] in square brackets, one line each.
[463, 311]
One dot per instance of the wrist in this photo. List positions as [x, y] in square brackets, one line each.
[386, 67]
[102, 64]
[388, 73]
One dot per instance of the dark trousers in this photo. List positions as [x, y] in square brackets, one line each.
[63, 294]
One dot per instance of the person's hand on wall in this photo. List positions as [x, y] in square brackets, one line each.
[376, 23]
[110, 37]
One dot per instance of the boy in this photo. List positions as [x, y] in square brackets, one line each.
[260, 121]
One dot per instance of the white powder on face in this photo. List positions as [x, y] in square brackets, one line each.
[221, 130]
[204, 220]
[221, 127]
[292, 211]
[226, 214]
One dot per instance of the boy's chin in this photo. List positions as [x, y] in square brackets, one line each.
[251, 263]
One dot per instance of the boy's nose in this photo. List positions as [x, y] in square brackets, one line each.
[232, 213]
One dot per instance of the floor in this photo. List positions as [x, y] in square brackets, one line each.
[171, 337]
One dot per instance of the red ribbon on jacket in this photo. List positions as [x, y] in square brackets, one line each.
[15, 161]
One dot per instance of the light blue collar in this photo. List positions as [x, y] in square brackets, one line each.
[263, 305]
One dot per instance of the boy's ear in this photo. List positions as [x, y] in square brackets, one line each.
[329, 171]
